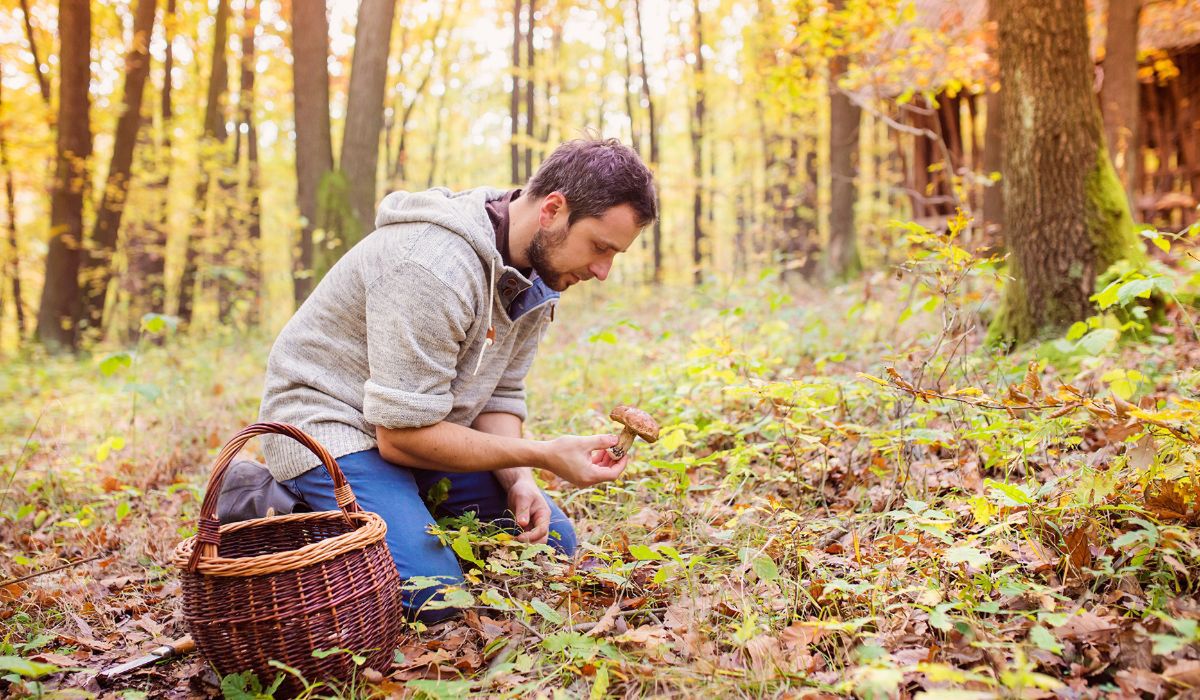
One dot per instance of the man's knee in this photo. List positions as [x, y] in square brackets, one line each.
[562, 536]
[424, 596]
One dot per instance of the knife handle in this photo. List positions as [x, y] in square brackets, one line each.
[178, 647]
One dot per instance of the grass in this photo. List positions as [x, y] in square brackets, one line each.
[809, 524]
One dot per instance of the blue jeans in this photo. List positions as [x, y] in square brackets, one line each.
[398, 494]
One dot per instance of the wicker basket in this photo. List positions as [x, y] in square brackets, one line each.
[278, 588]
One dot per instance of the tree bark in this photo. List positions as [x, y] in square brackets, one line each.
[514, 105]
[155, 252]
[842, 260]
[400, 173]
[214, 134]
[314, 149]
[529, 89]
[60, 294]
[364, 112]
[38, 68]
[698, 126]
[243, 244]
[1120, 90]
[98, 264]
[652, 124]
[634, 132]
[1066, 214]
[14, 260]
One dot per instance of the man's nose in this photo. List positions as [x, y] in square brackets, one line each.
[600, 269]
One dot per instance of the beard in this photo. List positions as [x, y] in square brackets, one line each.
[544, 243]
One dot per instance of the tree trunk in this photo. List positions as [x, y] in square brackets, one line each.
[993, 158]
[314, 149]
[529, 85]
[400, 173]
[60, 294]
[1120, 89]
[1066, 215]
[38, 68]
[243, 244]
[514, 104]
[634, 135]
[697, 133]
[98, 264]
[145, 282]
[213, 136]
[364, 112]
[842, 260]
[14, 260]
[656, 232]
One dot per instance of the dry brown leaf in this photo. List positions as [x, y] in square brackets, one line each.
[606, 622]
[1085, 625]
[1141, 455]
[1167, 500]
[1185, 673]
[645, 635]
[803, 634]
[1078, 555]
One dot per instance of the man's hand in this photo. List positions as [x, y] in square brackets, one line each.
[530, 510]
[583, 460]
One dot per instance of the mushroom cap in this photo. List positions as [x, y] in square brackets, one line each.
[636, 420]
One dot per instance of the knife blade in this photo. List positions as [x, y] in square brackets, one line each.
[178, 647]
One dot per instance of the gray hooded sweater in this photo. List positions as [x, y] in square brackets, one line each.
[397, 333]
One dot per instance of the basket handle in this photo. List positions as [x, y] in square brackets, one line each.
[208, 532]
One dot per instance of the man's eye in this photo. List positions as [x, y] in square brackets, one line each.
[600, 249]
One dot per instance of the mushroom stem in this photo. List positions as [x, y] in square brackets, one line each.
[617, 451]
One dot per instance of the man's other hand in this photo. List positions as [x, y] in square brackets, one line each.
[583, 460]
[530, 510]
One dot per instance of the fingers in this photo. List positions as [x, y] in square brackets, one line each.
[522, 513]
[539, 529]
[602, 442]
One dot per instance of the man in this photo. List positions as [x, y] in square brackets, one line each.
[408, 360]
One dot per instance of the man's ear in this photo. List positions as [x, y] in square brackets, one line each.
[553, 210]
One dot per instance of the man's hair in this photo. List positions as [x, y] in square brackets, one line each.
[595, 175]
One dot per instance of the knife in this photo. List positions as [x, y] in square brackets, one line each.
[178, 647]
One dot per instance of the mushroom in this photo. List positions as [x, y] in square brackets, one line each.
[637, 423]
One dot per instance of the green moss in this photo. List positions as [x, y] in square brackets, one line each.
[1109, 222]
[336, 224]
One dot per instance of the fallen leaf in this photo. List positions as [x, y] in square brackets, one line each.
[606, 622]
[1185, 673]
[1083, 626]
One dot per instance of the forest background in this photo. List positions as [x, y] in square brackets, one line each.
[918, 319]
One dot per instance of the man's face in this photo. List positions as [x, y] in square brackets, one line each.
[563, 255]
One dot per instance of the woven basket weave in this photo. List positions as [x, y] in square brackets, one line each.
[278, 588]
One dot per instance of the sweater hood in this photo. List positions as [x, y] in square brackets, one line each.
[462, 213]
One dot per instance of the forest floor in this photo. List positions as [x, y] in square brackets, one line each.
[851, 496]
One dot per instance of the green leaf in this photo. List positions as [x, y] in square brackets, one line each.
[27, 668]
[766, 569]
[462, 547]
[115, 362]
[1076, 331]
[600, 685]
[1043, 639]
[1107, 296]
[643, 553]
[604, 336]
[967, 554]
[1097, 341]
[1134, 289]
[550, 614]
[1011, 493]
[122, 510]
[1168, 644]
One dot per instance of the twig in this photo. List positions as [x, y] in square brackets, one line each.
[48, 571]
[588, 626]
